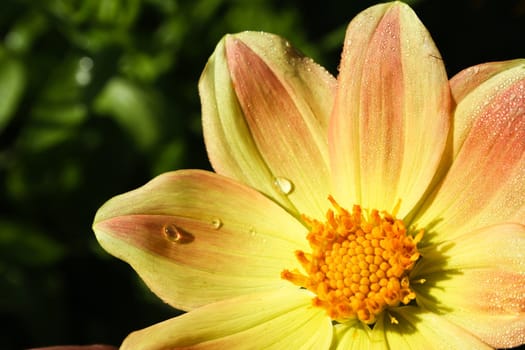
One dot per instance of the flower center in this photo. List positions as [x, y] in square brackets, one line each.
[359, 263]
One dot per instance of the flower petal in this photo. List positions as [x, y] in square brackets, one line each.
[416, 328]
[265, 115]
[391, 117]
[475, 87]
[282, 319]
[477, 281]
[356, 336]
[485, 184]
[196, 237]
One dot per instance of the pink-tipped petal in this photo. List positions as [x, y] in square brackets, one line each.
[281, 319]
[265, 116]
[477, 281]
[196, 237]
[392, 110]
[486, 182]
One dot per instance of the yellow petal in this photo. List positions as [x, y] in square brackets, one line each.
[420, 329]
[356, 336]
[485, 184]
[392, 110]
[281, 319]
[196, 237]
[477, 281]
[265, 115]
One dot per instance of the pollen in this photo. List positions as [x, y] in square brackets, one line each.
[359, 263]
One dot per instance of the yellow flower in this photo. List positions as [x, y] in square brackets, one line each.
[384, 209]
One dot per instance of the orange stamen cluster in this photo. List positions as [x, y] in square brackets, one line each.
[359, 263]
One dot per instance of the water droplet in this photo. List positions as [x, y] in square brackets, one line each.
[216, 223]
[253, 233]
[176, 234]
[284, 185]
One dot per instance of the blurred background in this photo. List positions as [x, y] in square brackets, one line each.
[99, 96]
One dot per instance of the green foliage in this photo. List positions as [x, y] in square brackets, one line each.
[12, 81]
[97, 97]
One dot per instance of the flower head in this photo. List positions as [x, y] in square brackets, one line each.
[384, 209]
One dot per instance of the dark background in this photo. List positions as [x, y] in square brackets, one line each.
[99, 96]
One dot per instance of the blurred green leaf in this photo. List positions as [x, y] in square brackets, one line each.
[144, 67]
[24, 244]
[58, 110]
[95, 25]
[25, 30]
[114, 13]
[134, 108]
[12, 85]
[253, 16]
[38, 138]
[170, 157]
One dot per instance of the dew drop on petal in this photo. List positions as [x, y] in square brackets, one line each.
[216, 223]
[176, 234]
[284, 185]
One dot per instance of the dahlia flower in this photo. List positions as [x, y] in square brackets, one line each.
[382, 209]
